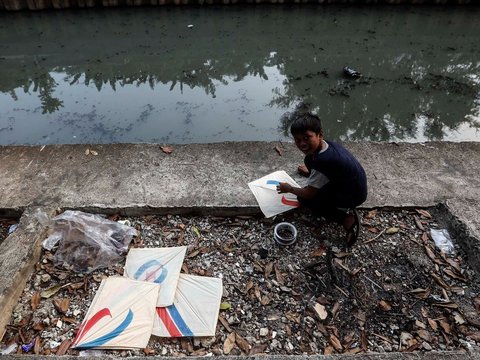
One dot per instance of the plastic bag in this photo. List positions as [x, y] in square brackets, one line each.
[442, 240]
[88, 241]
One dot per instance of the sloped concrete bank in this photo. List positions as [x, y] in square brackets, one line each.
[212, 179]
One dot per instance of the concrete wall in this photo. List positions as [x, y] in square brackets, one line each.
[14, 5]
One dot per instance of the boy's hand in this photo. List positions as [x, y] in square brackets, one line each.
[284, 187]
[303, 170]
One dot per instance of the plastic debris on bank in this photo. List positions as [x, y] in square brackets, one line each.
[265, 191]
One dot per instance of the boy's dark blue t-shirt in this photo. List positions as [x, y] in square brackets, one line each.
[346, 182]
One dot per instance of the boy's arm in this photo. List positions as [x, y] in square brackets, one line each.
[307, 192]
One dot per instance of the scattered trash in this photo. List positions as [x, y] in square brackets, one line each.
[265, 191]
[27, 347]
[190, 26]
[442, 239]
[12, 228]
[351, 73]
[158, 265]
[124, 222]
[285, 233]
[166, 149]
[9, 349]
[87, 241]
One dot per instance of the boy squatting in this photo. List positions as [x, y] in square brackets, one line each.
[336, 183]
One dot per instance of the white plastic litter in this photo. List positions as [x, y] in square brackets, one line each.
[158, 265]
[120, 317]
[9, 349]
[194, 311]
[12, 228]
[265, 191]
[442, 240]
[87, 241]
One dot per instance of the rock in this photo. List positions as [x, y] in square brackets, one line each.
[45, 278]
[263, 332]
[426, 346]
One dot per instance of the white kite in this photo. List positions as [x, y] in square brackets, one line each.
[158, 265]
[265, 190]
[121, 315]
[194, 311]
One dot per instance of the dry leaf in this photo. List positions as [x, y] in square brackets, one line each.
[392, 230]
[431, 255]
[279, 275]
[454, 275]
[61, 305]
[440, 281]
[445, 326]
[278, 150]
[35, 300]
[335, 309]
[242, 344]
[424, 213]
[419, 223]
[476, 303]
[364, 340]
[52, 291]
[455, 265]
[225, 306]
[320, 311]
[319, 252]
[257, 293]
[229, 343]
[371, 214]
[433, 324]
[249, 286]
[265, 300]
[448, 305]
[193, 253]
[268, 269]
[373, 229]
[424, 335]
[384, 305]
[333, 340]
[148, 351]
[166, 149]
[225, 323]
[328, 350]
[63, 348]
[39, 326]
[258, 349]
[420, 293]
[93, 152]
[37, 347]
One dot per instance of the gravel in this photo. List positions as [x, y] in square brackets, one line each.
[393, 291]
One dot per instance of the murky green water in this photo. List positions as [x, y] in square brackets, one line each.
[144, 75]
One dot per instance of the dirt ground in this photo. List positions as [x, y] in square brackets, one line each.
[4, 226]
[393, 291]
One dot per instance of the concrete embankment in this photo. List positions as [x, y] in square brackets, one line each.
[15, 5]
[212, 179]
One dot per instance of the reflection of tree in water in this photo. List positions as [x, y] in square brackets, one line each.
[382, 109]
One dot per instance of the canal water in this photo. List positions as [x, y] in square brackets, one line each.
[210, 74]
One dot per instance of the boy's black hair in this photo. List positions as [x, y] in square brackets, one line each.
[305, 122]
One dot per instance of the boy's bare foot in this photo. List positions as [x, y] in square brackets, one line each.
[303, 170]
